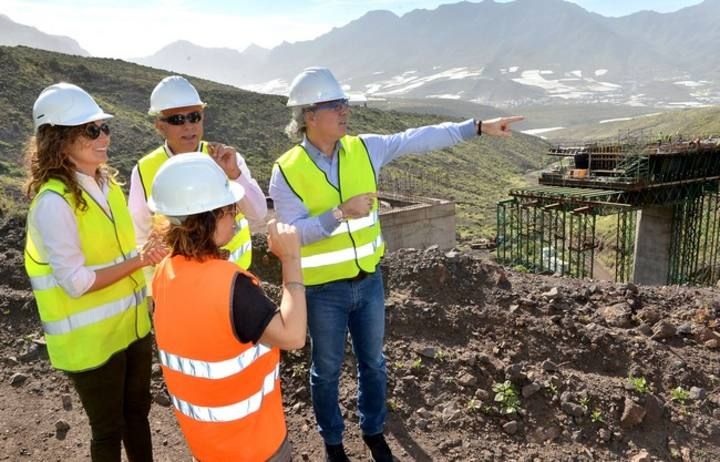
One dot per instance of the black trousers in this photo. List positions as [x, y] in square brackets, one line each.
[116, 398]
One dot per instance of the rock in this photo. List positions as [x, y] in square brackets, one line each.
[654, 408]
[649, 315]
[713, 344]
[66, 402]
[645, 329]
[604, 435]
[697, 393]
[531, 389]
[32, 352]
[617, 315]
[514, 373]
[62, 426]
[466, 379]
[685, 454]
[428, 352]
[452, 254]
[502, 282]
[422, 424]
[451, 413]
[162, 399]
[17, 379]
[642, 456]
[482, 395]
[61, 429]
[550, 366]
[424, 413]
[633, 414]
[572, 409]
[156, 371]
[685, 329]
[663, 329]
[552, 293]
[511, 427]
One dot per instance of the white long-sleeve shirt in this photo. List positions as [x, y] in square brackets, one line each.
[255, 209]
[52, 226]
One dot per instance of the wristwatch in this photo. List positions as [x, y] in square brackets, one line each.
[338, 214]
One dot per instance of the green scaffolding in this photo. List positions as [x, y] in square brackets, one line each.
[544, 233]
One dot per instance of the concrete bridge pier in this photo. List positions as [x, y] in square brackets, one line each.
[652, 246]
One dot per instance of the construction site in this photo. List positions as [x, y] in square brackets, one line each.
[657, 203]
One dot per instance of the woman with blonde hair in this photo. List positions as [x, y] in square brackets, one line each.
[218, 335]
[86, 273]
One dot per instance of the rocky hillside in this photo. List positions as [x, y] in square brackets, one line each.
[254, 124]
[484, 365]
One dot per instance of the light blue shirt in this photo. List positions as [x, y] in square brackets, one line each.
[382, 149]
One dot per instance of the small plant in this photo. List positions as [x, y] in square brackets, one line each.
[506, 397]
[553, 389]
[597, 416]
[440, 355]
[393, 405]
[417, 364]
[299, 370]
[474, 404]
[679, 395]
[639, 384]
[520, 269]
[585, 403]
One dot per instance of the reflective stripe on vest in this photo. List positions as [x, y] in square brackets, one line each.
[341, 256]
[240, 246]
[230, 412]
[355, 245]
[357, 224]
[83, 332]
[49, 281]
[87, 317]
[213, 370]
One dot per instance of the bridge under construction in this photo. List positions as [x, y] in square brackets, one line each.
[647, 211]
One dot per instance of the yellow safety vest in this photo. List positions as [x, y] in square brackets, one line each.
[240, 246]
[356, 244]
[83, 333]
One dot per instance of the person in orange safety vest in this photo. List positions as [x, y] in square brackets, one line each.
[217, 333]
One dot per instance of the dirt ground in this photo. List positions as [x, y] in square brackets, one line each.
[484, 365]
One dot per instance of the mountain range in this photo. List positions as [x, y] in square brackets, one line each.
[12, 33]
[491, 53]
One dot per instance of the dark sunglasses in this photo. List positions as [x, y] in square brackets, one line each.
[337, 105]
[93, 131]
[180, 119]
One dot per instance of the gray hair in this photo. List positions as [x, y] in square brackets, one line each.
[295, 130]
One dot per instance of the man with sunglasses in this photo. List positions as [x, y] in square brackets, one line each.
[179, 114]
[326, 186]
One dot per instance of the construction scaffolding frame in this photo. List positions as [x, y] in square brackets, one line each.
[551, 227]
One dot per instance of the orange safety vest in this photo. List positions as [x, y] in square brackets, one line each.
[226, 394]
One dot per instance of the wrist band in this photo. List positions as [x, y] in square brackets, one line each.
[294, 284]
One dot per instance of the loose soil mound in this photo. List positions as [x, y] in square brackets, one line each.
[484, 364]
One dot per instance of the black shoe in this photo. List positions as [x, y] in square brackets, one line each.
[379, 448]
[335, 453]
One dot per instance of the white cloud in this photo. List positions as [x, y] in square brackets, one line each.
[119, 31]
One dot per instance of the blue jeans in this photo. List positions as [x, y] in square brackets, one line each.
[333, 309]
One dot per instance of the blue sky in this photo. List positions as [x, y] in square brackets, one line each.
[134, 28]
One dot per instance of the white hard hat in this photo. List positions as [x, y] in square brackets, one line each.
[66, 104]
[192, 183]
[314, 85]
[172, 92]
